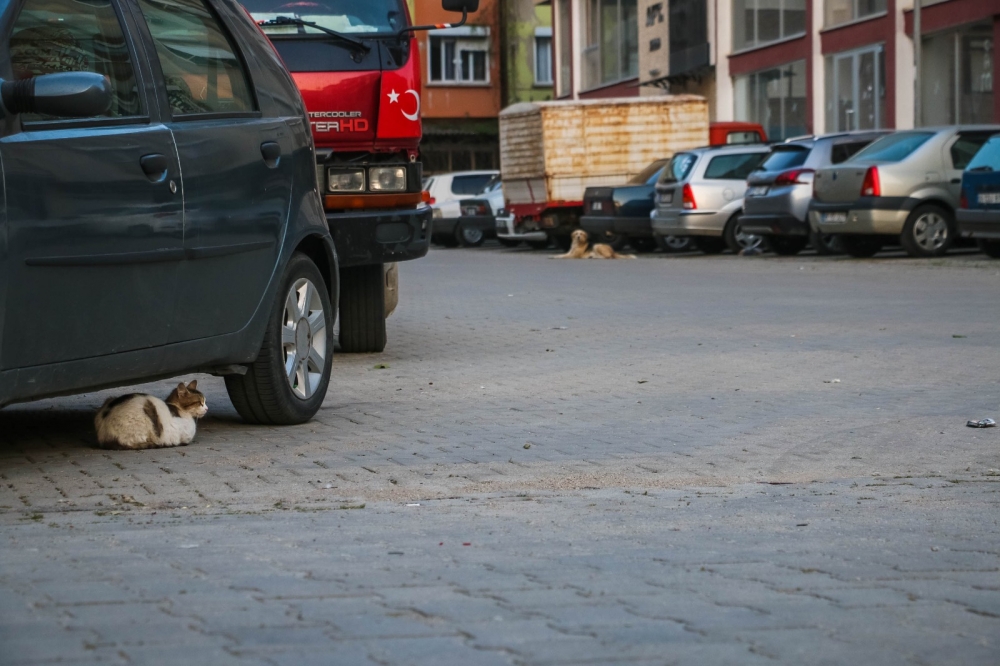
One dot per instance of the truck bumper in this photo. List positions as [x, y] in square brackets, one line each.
[979, 223]
[505, 230]
[381, 236]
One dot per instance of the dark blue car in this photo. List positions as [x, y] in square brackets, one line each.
[979, 212]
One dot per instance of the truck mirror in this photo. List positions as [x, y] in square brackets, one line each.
[460, 5]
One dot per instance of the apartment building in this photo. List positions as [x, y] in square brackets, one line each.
[795, 66]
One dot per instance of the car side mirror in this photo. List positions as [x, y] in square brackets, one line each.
[66, 94]
[460, 5]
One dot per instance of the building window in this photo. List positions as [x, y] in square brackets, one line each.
[855, 90]
[565, 41]
[956, 79]
[543, 56]
[843, 11]
[775, 98]
[460, 55]
[758, 22]
[612, 50]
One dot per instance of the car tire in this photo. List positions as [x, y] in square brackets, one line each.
[991, 248]
[860, 246]
[929, 232]
[299, 335]
[826, 244]
[506, 242]
[673, 244]
[467, 236]
[643, 245]
[736, 240]
[539, 245]
[362, 309]
[787, 246]
[709, 244]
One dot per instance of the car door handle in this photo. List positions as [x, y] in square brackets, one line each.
[155, 166]
[271, 152]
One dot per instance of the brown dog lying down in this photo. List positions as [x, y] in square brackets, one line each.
[578, 250]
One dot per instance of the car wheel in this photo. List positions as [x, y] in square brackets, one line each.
[675, 243]
[507, 242]
[788, 246]
[287, 382]
[467, 236]
[737, 240]
[860, 246]
[929, 232]
[826, 244]
[709, 244]
[539, 245]
[642, 245]
[362, 309]
[616, 241]
[990, 248]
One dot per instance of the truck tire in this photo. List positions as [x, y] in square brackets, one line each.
[362, 309]
[299, 336]
[929, 232]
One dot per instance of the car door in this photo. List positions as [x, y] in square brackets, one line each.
[236, 167]
[94, 214]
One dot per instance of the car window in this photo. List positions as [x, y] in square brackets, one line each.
[202, 70]
[471, 184]
[842, 152]
[988, 156]
[966, 147]
[736, 166]
[679, 168]
[893, 147]
[735, 138]
[51, 36]
[649, 175]
[785, 157]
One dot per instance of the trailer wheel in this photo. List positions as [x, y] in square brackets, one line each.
[362, 309]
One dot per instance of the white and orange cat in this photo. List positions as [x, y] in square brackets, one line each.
[140, 421]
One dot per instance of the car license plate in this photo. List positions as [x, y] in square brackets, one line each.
[988, 198]
[757, 191]
[666, 197]
[596, 206]
[833, 218]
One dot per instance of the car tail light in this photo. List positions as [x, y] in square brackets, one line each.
[688, 198]
[426, 197]
[963, 201]
[793, 177]
[871, 187]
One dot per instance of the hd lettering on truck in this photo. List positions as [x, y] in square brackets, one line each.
[349, 121]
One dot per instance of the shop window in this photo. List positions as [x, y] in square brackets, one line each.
[956, 83]
[844, 11]
[612, 49]
[775, 98]
[759, 22]
[855, 90]
[463, 57]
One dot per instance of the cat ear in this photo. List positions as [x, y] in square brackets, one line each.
[181, 388]
[193, 385]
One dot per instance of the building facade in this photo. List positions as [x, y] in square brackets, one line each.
[799, 66]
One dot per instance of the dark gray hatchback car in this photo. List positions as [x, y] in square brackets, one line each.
[160, 214]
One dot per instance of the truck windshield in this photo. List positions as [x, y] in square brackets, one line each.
[346, 16]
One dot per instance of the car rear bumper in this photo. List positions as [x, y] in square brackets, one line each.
[874, 215]
[978, 223]
[377, 237]
[689, 223]
[774, 225]
[627, 226]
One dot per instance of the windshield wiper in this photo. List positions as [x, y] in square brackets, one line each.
[293, 20]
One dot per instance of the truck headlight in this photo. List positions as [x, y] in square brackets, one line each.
[387, 179]
[340, 180]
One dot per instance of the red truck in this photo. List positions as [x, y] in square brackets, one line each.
[357, 65]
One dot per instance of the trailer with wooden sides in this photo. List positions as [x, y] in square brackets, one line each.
[550, 152]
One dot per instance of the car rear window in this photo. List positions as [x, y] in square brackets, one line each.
[650, 174]
[736, 166]
[679, 168]
[472, 184]
[785, 157]
[842, 152]
[894, 147]
[988, 157]
[966, 147]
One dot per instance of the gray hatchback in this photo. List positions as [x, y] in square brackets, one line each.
[160, 214]
[779, 191]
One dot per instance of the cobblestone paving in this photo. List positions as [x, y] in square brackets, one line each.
[650, 461]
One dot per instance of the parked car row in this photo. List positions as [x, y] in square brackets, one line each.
[849, 192]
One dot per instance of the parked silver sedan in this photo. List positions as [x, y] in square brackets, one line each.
[700, 194]
[903, 188]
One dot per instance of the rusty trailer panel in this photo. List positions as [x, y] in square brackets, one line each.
[553, 151]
